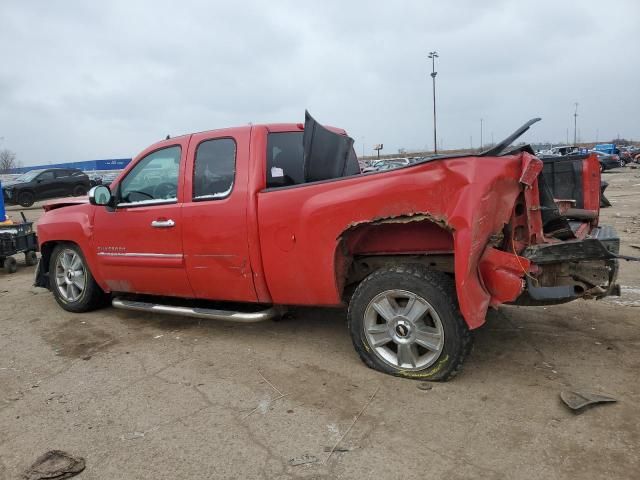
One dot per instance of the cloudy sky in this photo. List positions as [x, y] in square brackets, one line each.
[85, 80]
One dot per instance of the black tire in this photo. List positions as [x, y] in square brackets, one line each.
[30, 258]
[91, 297]
[26, 199]
[622, 162]
[10, 265]
[434, 287]
[79, 190]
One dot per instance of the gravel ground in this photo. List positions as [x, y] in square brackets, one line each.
[141, 396]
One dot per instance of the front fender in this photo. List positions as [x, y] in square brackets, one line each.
[73, 224]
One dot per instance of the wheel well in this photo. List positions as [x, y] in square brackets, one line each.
[367, 247]
[46, 249]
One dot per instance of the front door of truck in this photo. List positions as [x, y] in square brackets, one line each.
[214, 213]
[139, 242]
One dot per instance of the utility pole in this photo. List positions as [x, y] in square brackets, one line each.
[433, 55]
[481, 120]
[575, 125]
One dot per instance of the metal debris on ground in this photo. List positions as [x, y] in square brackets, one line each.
[302, 460]
[339, 449]
[55, 465]
[579, 401]
[425, 386]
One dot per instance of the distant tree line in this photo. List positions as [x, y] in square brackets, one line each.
[8, 161]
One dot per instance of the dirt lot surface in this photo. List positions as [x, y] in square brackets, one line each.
[141, 396]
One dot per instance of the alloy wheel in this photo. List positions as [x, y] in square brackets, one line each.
[70, 275]
[404, 330]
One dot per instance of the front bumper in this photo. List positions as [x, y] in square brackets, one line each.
[586, 268]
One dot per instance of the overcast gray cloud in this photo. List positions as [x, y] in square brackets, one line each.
[83, 80]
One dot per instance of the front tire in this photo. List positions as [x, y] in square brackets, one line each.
[405, 321]
[71, 281]
[10, 265]
[26, 199]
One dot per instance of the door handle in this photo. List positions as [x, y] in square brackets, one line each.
[163, 223]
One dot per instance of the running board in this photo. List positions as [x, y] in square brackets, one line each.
[207, 313]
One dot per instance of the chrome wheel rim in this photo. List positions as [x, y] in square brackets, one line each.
[70, 275]
[403, 330]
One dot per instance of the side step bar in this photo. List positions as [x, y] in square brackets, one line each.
[207, 313]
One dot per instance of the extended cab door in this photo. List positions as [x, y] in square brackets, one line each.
[214, 214]
[139, 242]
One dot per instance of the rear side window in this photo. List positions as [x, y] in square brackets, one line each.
[62, 173]
[48, 175]
[214, 169]
[285, 159]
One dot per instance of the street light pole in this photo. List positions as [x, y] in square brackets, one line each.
[575, 126]
[433, 55]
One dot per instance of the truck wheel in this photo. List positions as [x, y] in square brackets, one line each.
[71, 281]
[26, 199]
[79, 190]
[10, 265]
[30, 258]
[404, 320]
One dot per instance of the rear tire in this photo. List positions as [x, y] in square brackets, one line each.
[79, 191]
[71, 281]
[421, 335]
[26, 199]
[30, 258]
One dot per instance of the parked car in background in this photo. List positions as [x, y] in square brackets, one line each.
[609, 148]
[102, 178]
[609, 161]
[44, 184]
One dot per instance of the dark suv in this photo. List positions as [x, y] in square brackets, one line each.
[42, 184]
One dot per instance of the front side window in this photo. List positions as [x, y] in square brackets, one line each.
[214, 169]
[48, 175]
[154, 179]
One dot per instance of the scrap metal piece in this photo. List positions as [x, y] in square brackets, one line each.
[302, 460]
[579, 401]
[55, 465]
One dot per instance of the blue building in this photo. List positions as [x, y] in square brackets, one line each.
[86, 165]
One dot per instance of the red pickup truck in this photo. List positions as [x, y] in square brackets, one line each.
[260, 217]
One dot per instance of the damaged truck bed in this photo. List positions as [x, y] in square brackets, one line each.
[267, 216]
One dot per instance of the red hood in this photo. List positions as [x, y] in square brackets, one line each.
[64, 202]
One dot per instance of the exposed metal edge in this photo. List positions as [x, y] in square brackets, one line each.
[207, 313]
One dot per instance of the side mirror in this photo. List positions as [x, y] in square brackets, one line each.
[100, 195]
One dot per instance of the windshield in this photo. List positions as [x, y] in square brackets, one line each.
[30, 175]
